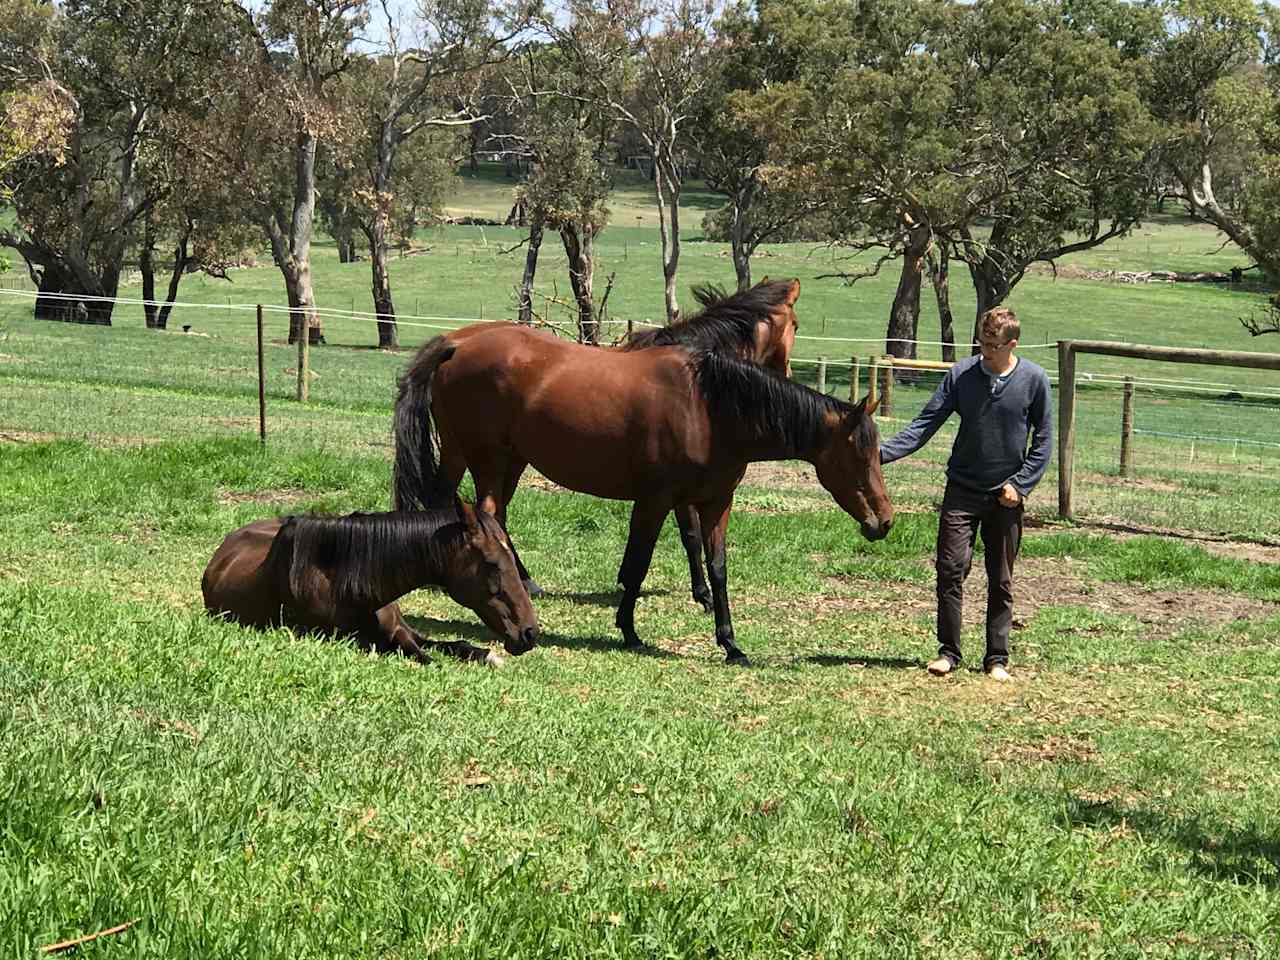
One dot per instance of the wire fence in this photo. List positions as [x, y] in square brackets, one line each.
[1215, 421]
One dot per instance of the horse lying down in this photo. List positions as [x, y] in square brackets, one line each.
[342, 575]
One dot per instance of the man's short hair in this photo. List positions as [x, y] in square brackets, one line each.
[1001, 322]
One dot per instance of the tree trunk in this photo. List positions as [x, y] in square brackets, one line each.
[147, 266]
[181, 260]
[991, 287]
[939, 265]
[383, 305]
[294, 256]
[54, 283]
[904, 316]
[738, 246]
[530, 268]
[667, 190]
[579, 246]
[58, 289]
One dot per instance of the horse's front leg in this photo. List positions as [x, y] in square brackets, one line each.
[646, 524]
[496, 478]
[690, 525]
[510, 482]
[715, 523]
[395, 634]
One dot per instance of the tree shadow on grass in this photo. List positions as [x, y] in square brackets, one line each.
[1218, 853]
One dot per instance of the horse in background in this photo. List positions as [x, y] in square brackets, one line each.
[758, 324]
[342, 576]
[660, 426]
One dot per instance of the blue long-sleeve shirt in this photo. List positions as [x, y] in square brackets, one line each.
[998, 415]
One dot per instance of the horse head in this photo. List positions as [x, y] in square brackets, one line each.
[776, 333]
[483, 576]
[848, 466]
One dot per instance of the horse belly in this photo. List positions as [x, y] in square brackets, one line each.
[613, 449]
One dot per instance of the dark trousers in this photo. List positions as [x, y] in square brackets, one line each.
[965, 513]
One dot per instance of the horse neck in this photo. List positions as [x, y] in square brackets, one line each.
[758, 446]
[419, 568]
[426, 569]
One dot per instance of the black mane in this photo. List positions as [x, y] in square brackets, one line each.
[726, 323]
[362, 552]
[770, 406]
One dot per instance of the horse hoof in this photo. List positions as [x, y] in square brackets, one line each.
[705, 600]
[492, 659]
[632, 643]
[533, 589]
[737, 659]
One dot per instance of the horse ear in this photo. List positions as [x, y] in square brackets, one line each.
[868, 405]
[793, 294]
[466, 512]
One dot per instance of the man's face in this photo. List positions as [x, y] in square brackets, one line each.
[996, 350]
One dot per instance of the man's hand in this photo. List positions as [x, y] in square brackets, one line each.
[1009, 497]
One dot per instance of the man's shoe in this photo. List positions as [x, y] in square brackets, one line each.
[998, 672]
[940, 667]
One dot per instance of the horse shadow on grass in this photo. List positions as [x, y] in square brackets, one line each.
[1245, 857]
[836, 660]
[599, 598]
[432, 627]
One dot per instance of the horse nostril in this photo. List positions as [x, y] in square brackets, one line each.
[529, 635]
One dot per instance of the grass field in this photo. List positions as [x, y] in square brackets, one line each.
[244, 794]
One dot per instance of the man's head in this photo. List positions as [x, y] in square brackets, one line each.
[998, 333]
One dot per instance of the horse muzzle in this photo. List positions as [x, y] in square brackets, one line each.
[877, 530]
[523, 642]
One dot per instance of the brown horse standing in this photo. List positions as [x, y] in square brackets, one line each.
[758, 324]
[341, 576]
[660, 427]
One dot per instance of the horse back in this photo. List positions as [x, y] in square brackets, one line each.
[606, 422]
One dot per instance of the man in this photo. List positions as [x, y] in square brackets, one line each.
[1003, 402]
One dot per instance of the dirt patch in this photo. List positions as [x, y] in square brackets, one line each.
[25, 436]
[1051, 582]
[1052, 749]
[261, 496]
[1251, 550]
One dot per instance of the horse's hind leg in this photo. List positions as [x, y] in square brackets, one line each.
[686, 515]
[715, 522]
[646, 524]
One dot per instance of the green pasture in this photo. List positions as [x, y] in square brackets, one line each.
[246, 794]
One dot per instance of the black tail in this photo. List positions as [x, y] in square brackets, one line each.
[416, 476]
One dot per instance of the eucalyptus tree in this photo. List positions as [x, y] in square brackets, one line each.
[278, 101]
[1216, 83]
[1000, 133]
[109, 74]
[749, 132]
[647, 63]
[1062, 151]
[890, 132]
[428, 75]
[569, 140]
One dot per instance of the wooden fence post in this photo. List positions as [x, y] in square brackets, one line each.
[855, 378]
[1126, 429]
[873, 380]
[262, 385]
[886, 389]
[1066, 424]
[822, 374]
[304, 357]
